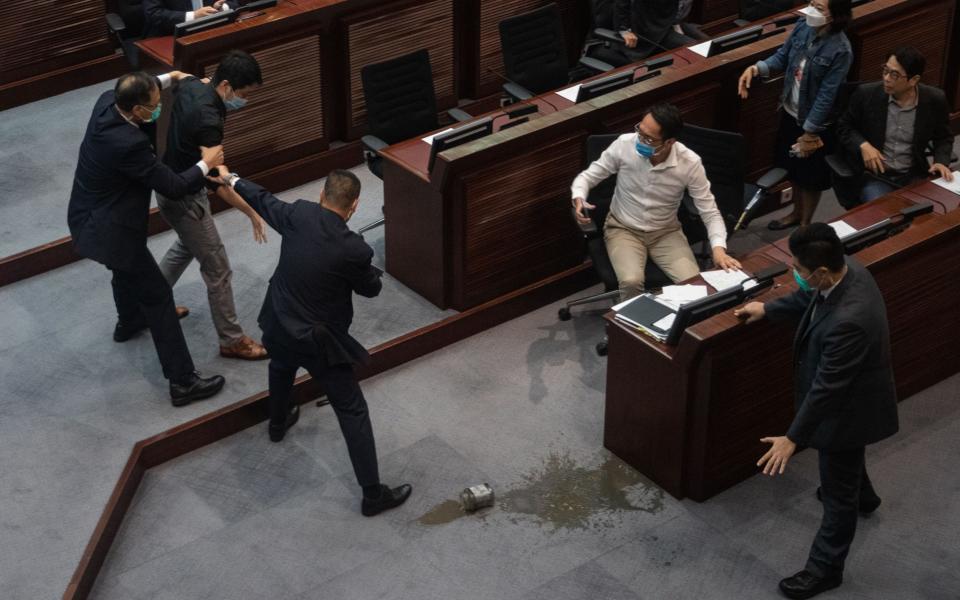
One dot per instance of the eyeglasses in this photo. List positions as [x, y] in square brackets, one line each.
[893, 75]
[646, 139]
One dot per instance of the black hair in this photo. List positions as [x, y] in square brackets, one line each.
[133, 89]
[240, 69]
[841, 14]
[910, 59]
[667, 117]
[817, 245]
[341, 188]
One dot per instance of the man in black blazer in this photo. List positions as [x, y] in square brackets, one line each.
[161, 16]
[845, 395]
[647, 26]
[109, 205]
[889, 125]
[307, 313]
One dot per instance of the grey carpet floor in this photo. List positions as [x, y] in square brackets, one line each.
[521, 407]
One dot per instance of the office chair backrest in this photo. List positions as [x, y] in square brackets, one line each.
[753, 10]
[400, 98]
[722, 153]
[534, 50]
[131, 11]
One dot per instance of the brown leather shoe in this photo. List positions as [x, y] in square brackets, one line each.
[182, 311]
[245, 349]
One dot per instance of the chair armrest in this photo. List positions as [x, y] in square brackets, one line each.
[115, 23]
[741, 22]
[459, 115]
[517, 91]
[608, 35]
[595, 65]
[839, 166]
[771, 178]
[373, 143]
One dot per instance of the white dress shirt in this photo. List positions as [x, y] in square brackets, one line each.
[647, 197]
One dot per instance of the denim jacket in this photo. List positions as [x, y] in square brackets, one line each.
[828, 61]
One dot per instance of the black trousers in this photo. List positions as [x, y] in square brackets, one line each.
[844, 485]
[346, 398]
[142, 294]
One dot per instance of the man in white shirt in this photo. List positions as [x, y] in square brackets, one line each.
[653, 172]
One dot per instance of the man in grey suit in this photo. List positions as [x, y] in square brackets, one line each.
[844, 393]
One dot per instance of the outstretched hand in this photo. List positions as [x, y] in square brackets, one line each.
[775, 460]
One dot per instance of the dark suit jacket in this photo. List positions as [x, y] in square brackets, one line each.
[161, 16]
[110, 201]
[865, 119]
[845, 395]
[650, 19]
[309, 303]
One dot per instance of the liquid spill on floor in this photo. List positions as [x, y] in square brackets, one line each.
[566, 495]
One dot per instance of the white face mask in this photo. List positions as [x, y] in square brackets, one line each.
[815, 18]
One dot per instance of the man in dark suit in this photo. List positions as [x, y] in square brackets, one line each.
[161, 16]
[890, 124]
[109, 205]
[844, 393]
[647, 26]
[307, 313]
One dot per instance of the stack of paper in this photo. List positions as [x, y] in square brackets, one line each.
[570, 93]
[953, 186]
[429, 138]
[675, 296]
[721, 280]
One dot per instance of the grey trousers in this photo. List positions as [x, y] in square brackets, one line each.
[198, 238]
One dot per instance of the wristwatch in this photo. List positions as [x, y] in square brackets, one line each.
[231, 179]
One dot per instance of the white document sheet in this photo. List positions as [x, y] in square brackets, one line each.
[570, 93]
[842, 228]
[666, 323]
[703, 48]
[429, 138]
[953, 186]
[721, 280]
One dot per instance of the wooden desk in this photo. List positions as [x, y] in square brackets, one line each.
[494, 214]
[690, 417]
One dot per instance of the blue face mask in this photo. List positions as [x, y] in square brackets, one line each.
[235, 103]
[645, 150]
[803, 283]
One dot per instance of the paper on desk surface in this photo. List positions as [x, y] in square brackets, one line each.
[666, 323]
[703, 48]
[674, 296]
[842, 228]
[570, 93]
[429, 138]
[953, 186]
[721, 280]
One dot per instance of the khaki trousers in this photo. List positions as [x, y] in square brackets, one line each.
[629, 248]
[199, 238]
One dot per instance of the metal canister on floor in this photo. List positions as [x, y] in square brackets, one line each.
[476, 497]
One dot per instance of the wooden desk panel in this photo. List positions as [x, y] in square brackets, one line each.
[925, 26]
[374, 36]
[516, 223]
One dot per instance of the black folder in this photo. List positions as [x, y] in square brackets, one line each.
[643, 312]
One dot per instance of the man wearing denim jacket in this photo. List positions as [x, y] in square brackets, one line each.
[815, 58]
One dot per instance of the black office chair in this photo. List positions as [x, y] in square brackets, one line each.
[754, 10]
[127, 26]
[401, 104]
[601, 196]
[723, 154]
[534, 54]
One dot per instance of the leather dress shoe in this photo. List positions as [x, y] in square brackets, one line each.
[193, 387]
[124, 331]
[865, 508]
[389, 498]
[277, 433]
[807, 585]
[246, 349]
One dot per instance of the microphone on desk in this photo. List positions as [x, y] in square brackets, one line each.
[659, 46]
